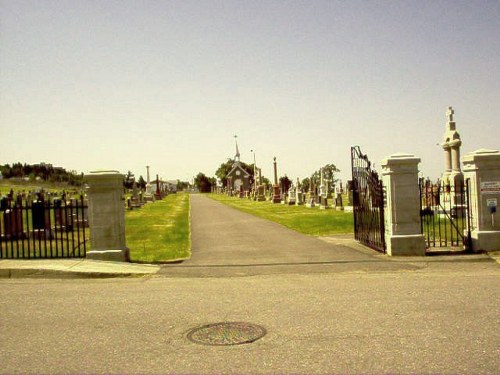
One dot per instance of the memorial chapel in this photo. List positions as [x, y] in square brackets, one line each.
[238, 179]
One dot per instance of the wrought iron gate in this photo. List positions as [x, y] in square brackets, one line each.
[445, 215]
[368, 202]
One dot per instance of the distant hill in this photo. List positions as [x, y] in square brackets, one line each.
[40, 172]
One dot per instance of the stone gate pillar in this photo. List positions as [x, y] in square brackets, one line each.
[106, 216]
[482, 167]
[403, 233]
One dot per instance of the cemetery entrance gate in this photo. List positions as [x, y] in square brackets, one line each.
[368, 202]
[445, 215]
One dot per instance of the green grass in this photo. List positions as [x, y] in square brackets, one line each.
[311, 221]
[19, 186]
[440, 231]
[159, 231]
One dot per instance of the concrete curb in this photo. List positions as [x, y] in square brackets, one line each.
[73, 268]
[348, 241]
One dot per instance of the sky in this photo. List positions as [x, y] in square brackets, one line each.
[118, 85]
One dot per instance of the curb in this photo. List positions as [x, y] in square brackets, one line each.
[73, 269]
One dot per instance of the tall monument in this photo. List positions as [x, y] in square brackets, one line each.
[452, 176]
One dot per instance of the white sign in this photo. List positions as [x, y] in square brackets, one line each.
[490, 187]
[491, 202]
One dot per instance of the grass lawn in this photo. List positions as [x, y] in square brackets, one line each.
[19, 186]
[311, 221]
[159, 231]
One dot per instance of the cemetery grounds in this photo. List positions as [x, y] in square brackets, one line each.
[160, 231]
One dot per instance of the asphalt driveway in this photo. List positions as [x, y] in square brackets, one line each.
[230, 242]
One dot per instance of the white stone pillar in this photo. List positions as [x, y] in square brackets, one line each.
[455, 159]
[403, 233]
[106, 216]
[482, 167]
[447, 158]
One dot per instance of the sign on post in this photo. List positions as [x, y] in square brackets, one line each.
[491, 202]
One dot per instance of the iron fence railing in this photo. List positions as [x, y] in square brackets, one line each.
[52, 228]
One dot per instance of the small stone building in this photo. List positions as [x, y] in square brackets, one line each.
[238, 179]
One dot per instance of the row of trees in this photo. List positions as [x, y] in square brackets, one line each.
[42, 171]
[205, 184]
[47, 172]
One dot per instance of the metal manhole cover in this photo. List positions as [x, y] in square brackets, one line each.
[226, 333]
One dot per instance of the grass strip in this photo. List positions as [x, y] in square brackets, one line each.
[26, 186]
[311, 221]
[160, 231]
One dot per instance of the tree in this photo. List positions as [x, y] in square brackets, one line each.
[141, 183]
[182, 185]
[128, 183]
[45, 171]
[266, 182]
[204, 183]
[285, 183]
[329, 171]
[305, 184]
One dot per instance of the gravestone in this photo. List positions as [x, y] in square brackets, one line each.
[276, 189]
[13, 223]
[148, 195]
[298, 194]
[349, 188]
[40, 220]
[323, 193]
[311, 200]
[339, 206]
[292, 195]
[4, 203]
[158, 194]
[261, 195]
[60, 216]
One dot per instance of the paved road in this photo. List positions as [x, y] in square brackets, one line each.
[327, 306]
[425, 321]
[228, 242]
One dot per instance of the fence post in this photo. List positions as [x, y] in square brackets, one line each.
[106, 216]
[403, 234]
[482, 167]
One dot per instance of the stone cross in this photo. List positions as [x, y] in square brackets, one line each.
[449, 113]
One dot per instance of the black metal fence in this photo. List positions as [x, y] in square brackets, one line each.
[445, 214]
[45, 228]
[368, 202]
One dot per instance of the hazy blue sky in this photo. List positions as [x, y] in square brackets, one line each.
[124, 84]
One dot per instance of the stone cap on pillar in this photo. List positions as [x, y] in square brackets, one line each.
[104, 178]
[403, 162]
[484, 157]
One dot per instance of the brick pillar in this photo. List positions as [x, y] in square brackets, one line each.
[403, 234]
[482, 167]
[106, 216]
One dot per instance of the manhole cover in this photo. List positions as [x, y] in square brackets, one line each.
[226, 333]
